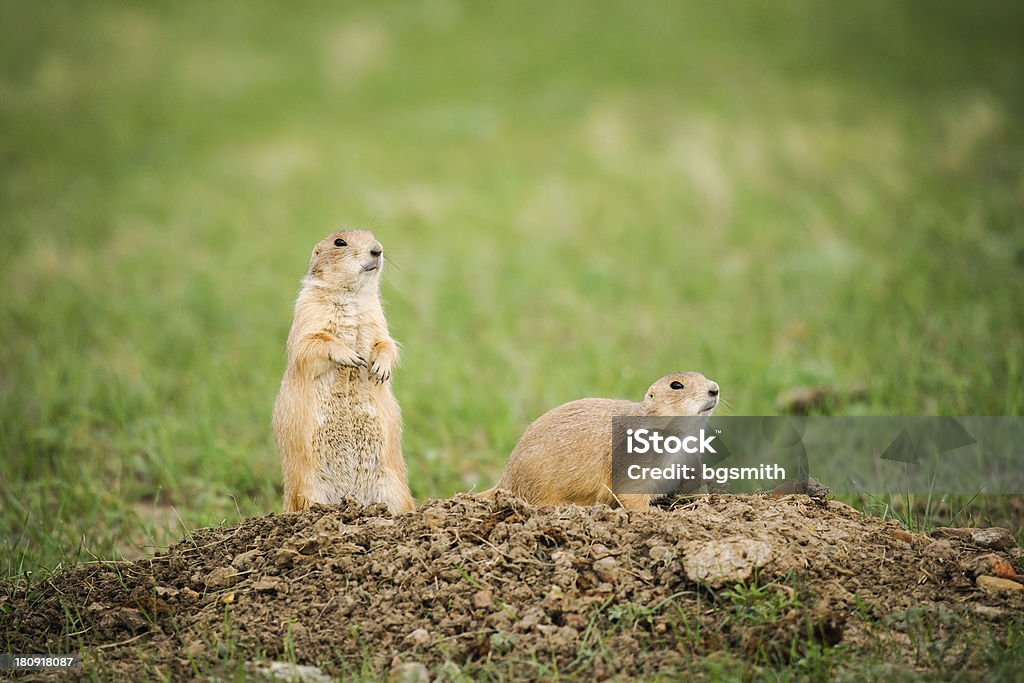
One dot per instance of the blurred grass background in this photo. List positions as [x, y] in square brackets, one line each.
[576, 198]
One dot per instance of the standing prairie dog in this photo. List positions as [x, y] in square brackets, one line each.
[565, 456]
[337, 424]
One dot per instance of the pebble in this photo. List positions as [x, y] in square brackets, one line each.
[994, 584]
[997, 566]
[483, 599]
[989, 612]
[221, 577]
[244, 560]
[284, 557]
[660, 553]
[419, 637]
[607, 569]
[903, 535]
[727, 561]
[286, 671]
[996, 538]
[266, 584]
[409, 672]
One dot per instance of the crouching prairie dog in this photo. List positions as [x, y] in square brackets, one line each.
[565, 456]
[336, 422]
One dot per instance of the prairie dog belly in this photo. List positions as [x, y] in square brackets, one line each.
[348, 439]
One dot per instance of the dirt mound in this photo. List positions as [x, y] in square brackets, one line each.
[471, 587]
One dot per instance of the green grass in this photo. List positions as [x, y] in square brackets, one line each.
[575, 198]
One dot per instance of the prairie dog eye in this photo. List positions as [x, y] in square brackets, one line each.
[340, 243]
[676, 385]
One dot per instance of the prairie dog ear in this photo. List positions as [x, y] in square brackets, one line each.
[314, 265]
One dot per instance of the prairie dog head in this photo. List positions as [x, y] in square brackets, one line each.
[347, 260]
[682, 393]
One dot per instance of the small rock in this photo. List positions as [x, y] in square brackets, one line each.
[166, 592]
[221, 577]
[483, 599]
[993, 584]
[994, 565]
[660, 553]
[727, 561]
[995, 537]
[266, 584]
[562, 558]
[989, 612]
[607, 569]
[286, 671]
[599, 550]
[124, 619]
[903, 535]
[409, 672]
[244, 561]
[419, 637]
[284, 557]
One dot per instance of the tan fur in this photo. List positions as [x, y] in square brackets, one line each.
[565, 456]
[337, 424]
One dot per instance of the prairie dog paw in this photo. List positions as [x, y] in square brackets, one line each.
[342, 355]
[380, 371]
[382, 361]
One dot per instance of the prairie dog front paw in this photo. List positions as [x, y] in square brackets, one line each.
[383, 358]
[343, 355]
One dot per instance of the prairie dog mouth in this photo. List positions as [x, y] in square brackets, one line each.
[370, 267]
[706, 409]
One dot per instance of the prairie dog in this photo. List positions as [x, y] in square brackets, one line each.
[565, 456]
[336, 423]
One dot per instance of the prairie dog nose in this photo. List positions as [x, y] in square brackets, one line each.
[376, 249]
[713, 389]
